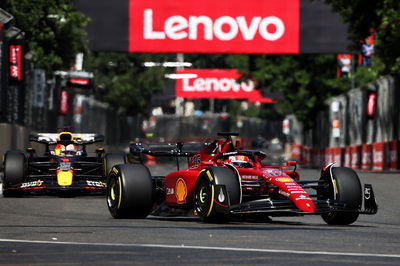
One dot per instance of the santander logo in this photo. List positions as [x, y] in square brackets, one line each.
[223, 28]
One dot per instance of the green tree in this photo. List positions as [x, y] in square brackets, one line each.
[383, 16]
[124, 82]
[305, 81]
[53, 30]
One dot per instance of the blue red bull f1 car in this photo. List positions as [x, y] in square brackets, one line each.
[64, 167]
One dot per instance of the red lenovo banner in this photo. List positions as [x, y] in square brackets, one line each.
[15, 62]
[210, 26]
[217, 83]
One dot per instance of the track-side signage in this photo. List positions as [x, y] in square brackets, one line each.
[15, 62]
[208, 26]
[219, 84]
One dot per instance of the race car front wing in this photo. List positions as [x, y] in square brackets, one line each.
[285, 207]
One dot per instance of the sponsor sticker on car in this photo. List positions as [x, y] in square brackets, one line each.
[36, 183]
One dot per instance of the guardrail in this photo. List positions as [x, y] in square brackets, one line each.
[359, 129]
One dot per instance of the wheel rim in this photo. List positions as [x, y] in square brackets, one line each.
[204, 198]
[114, 191]
[202, 195]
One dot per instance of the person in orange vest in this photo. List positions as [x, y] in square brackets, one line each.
[367, 50]
[344, 61]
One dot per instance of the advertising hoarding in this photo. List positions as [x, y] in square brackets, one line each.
[217, 84]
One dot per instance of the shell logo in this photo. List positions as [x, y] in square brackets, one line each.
[180, 191]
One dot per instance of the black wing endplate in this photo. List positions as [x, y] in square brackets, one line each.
[370, 206]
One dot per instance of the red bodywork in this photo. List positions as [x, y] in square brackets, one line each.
[179, 186]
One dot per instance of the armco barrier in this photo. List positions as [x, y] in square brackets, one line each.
[296, 152]
[347, 156]
[355, 156]
[366, 157]
[378, 156]
[317, 157]
[337, 156]
[328, 155]
[392, 155]
[305, 156]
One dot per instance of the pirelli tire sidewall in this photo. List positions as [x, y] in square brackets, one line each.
[111, 159]
[211, 182]
[347, 188]
[130, 191]
[15, 168]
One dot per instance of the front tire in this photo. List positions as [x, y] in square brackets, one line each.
[111, 159]
[130, 192]
[347, 187]
[205, 192]
[15, 168]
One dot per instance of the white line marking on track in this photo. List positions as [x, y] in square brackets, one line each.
[287, 251]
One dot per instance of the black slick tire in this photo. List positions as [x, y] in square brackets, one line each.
[130, 191]
[347, 187]
[111, 159]
[205, 193]
[15, 167]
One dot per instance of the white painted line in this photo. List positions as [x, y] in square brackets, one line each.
[287, 251]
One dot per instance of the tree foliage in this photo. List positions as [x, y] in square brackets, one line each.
[383, 16]
[305, 81]
[124, 82]
[53, 30]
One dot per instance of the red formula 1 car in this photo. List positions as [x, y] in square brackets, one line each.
[223, 181]
[64, 168]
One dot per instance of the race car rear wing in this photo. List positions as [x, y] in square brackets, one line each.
[178, 149]
[79, 138]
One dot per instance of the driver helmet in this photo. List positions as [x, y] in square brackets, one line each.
[71, 149]
[240, 161]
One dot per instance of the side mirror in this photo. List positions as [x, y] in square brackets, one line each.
[291, 163]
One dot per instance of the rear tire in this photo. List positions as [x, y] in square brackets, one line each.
[349, 191]
[15, 168]
[111, 159]
[205, 192]
[130, 192]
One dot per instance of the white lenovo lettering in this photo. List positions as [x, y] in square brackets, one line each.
[207, 26]
[148, 27]
[224, 28]
[216, 85]
[174, 26]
